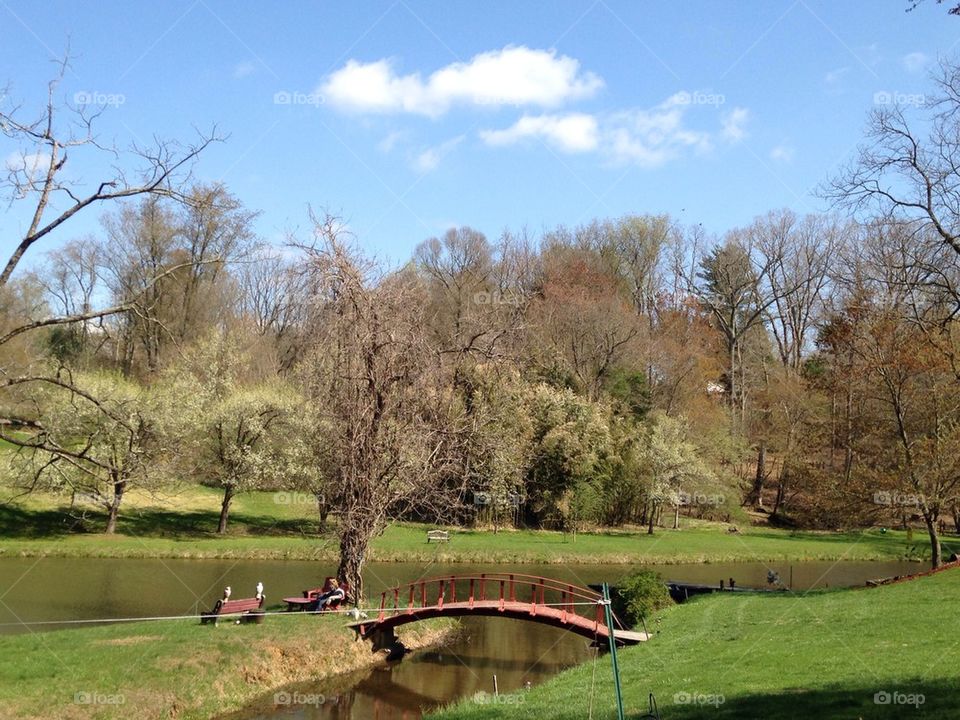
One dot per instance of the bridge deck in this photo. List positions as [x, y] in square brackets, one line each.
[547, 615]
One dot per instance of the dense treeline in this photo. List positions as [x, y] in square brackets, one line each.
[628, 371]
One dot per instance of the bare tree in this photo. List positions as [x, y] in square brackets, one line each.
[46, 143]
[70, 279]
[912, 5]
[272, 298]
[140, 247]
[907, 176]
[372, 377]
[583, 325]
[214, 230]
[799, 252]
[35, 178]
[70, 276]
[192, 245]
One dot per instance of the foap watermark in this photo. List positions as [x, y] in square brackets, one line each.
[86, 496]
[485, 698]
[687, 499]
[296, 97]
[299, 698]
[699, 699]
[895, 697]
[889, 498]
[297, 498]
[99, 98]
[92, 697]
[700, 98]
[887, 97]
[483, 499]
[495, 298]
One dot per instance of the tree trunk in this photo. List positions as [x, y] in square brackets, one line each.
[848, 437]
[650, 519]
[778, 501]
[755, 498]
[228, 493]
[935, 550]
[114, 509]
[353, 552]
[323, 509]
[732, 381]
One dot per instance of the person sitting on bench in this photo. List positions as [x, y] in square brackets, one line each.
[333, 597]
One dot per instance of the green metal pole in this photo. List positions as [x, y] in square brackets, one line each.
[608, 613]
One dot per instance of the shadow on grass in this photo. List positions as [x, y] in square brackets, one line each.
[21, 523]
[886, 700]
[16, 522]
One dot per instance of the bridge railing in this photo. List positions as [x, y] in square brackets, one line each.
[514, 591]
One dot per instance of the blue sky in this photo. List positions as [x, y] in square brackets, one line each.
[407, 118]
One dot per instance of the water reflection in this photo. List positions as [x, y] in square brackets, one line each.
[492, 653]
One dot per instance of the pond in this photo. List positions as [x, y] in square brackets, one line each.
[510, 653]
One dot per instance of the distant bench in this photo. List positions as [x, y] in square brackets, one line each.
[438, 536]
[244, 608]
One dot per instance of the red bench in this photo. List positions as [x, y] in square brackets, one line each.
[311, 598]
[244, 608]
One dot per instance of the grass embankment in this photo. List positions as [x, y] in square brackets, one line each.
[284, 526]
[828, 654]
[179, 669]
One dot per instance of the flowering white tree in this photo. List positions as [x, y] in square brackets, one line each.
[91, 435]
[676, 469]
[227, 423]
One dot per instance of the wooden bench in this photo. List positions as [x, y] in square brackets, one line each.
[244, 608]
[311, 598]
[438, 536]
[302, 603]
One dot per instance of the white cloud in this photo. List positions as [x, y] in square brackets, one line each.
[242, 70]
[390, 141]
[429, 159]
[834, 78]
[915, 62]
[647, 137]
[515, 75]
[28, 165]
[782, 153]
[574, 132]
[732, 124]
[651, 137]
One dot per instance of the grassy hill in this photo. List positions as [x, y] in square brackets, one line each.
[889, 652]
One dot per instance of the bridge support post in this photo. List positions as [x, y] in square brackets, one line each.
[383, 639]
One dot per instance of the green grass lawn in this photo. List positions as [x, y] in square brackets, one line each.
[407, 542]
[826, 654]
[264, 525]
[177, 668]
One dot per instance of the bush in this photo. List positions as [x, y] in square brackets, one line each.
[638, 595]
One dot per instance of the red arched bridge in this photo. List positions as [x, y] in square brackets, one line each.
[522, 597]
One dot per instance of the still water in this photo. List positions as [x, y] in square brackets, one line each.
[511, 653]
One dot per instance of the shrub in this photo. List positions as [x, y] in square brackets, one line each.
[638, 595]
